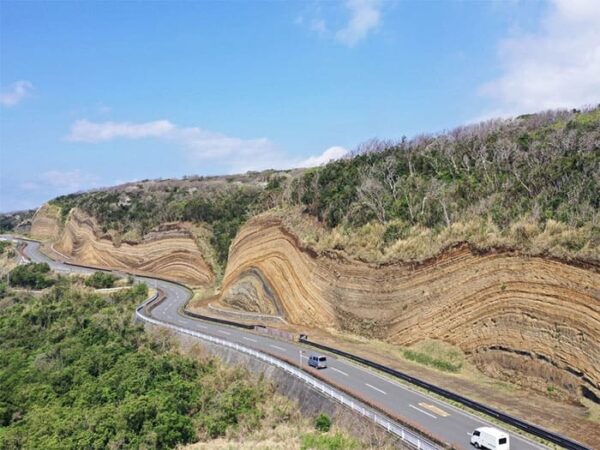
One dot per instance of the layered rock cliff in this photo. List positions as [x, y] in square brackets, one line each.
[505, 310]
[46, 222]
[170, 252]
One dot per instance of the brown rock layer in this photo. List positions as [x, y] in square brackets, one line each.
[171, 254]
[46, 223]
[497, 303]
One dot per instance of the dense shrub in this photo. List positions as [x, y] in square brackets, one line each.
[75, 372]
[544, 164]
[101, 280]
[323, 423]
[32, 276]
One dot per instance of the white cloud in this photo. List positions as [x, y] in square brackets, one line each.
[362, 17]
[557, 67]
[61, 181]
[237, 154]
[331, 154]
[365, 16]
[91, 132]
[15, 93]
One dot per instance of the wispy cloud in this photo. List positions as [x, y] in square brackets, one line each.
[92, 132]
[365, 16]
[331, 154]
[57, 181]
[14, 93]
[238, 154]
[361, 18]
[559, 66]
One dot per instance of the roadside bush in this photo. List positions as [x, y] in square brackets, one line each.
[323, 423]
[31, 276]
[101, 280]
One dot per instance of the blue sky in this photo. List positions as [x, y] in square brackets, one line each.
[98, 93]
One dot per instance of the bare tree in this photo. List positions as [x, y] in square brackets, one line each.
[372, 192]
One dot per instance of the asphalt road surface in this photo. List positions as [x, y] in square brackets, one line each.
[451, 424]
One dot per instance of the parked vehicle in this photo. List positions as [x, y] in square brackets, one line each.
[317, 361]
[490, 438]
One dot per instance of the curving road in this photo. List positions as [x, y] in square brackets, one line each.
[451, 424]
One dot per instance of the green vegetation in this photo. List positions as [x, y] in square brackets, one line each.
[324, 440]
[440, 355]
[428, 360]
[543, 165]
[225, 212]
[529, 183]
[75, 372]
[4, 246]
[101, 280]
[221, 205]
[322, 423]
[15, 221]
[321, 441]
[31, 276]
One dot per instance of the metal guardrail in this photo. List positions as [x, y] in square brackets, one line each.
[405, 435]
[521, 424]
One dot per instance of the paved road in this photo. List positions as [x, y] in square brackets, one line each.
[441, 419]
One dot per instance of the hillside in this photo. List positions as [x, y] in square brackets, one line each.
[501, 182]
[486, 238]
[76, 373]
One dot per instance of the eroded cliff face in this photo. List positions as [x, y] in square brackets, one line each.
[46, 223]
[506, 311]
[170, 253]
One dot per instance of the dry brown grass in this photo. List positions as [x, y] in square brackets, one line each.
[527, 235]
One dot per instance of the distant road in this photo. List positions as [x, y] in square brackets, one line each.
[447, 422]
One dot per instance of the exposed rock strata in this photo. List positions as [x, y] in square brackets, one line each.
[46, 223]
[170, 252]
[498, 307]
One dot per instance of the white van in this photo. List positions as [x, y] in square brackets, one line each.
[317, 361]
[490, 438]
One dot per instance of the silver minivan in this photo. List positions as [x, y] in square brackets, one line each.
[317, 361]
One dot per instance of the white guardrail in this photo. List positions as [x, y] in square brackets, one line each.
[406, 435]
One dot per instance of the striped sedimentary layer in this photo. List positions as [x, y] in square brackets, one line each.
[503, 309]
[46, 222]
[170, 253]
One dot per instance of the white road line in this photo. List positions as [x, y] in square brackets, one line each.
[202, 326]
[224, 332]
[424, 412]
[249, 339]
[377, 389]
[278, 348]
[338, 370]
